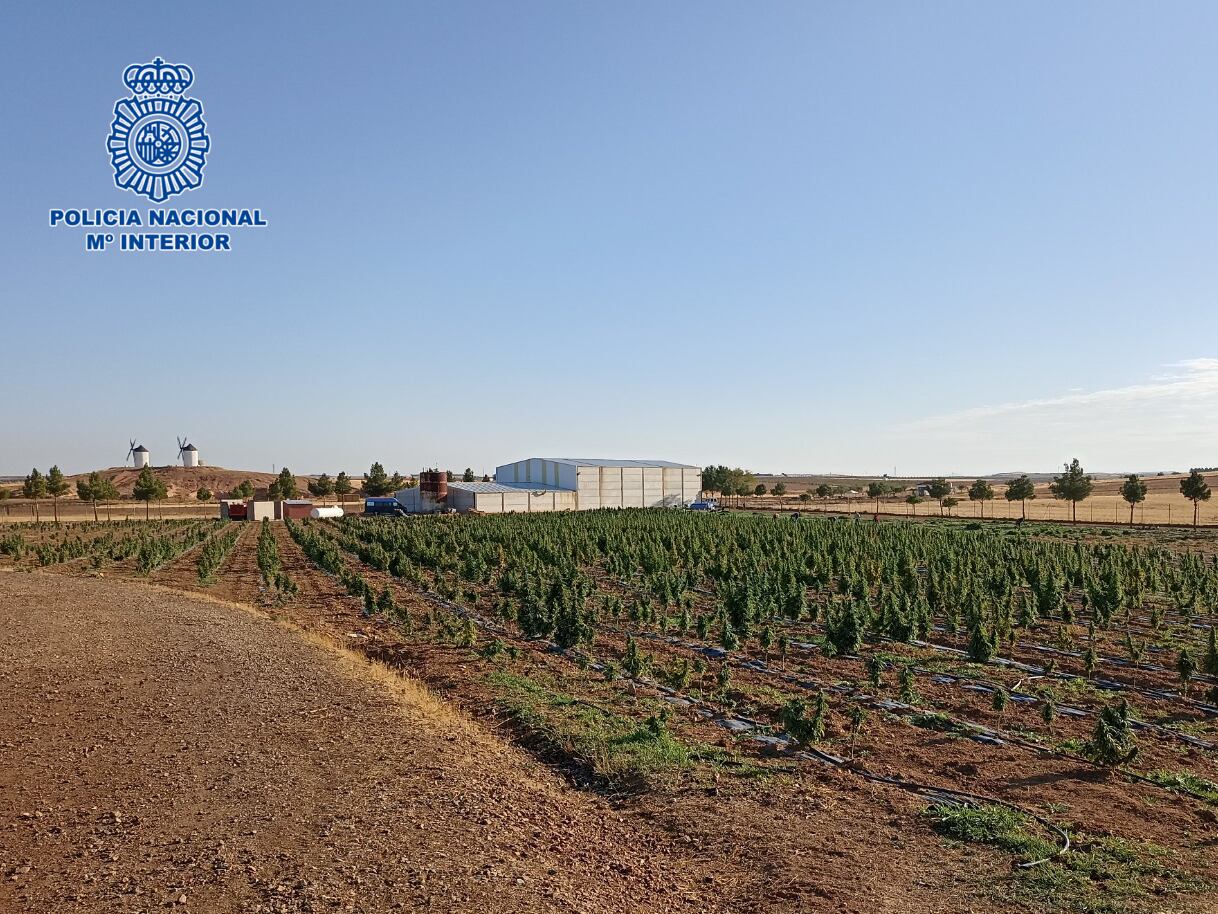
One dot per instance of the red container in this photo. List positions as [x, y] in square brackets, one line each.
[296, 510]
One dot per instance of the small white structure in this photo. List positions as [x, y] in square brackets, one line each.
[189, 453]
[328, 511]
[260, 510]
[139, 455]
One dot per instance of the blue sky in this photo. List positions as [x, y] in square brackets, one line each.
[802, 236]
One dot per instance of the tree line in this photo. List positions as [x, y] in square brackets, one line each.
[1073, 485]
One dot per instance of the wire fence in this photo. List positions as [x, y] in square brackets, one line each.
[1106, 509]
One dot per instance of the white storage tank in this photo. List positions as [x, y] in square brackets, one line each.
[333, 511]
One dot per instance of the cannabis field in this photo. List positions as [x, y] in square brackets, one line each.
[1041, 702]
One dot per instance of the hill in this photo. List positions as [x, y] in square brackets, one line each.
[183, 483]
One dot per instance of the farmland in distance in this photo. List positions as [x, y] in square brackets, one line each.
[985, 719]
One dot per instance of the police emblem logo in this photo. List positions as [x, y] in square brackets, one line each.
[158, 142]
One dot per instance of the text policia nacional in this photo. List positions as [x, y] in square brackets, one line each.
[157, 219]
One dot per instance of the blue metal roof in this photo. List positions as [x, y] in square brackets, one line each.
[603, 462]
[483, 488]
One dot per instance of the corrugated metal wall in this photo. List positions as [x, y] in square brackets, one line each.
[607, 486]
[410, 499]
[461, 500]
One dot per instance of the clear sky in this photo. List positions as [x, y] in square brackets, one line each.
[802, 236]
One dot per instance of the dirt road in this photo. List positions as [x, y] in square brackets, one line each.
[158, 751]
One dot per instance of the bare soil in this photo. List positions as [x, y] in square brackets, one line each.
[162, 750]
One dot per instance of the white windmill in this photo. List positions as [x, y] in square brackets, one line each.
[139, 454]
[188, 452]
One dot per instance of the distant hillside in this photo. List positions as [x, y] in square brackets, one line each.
[183, 483]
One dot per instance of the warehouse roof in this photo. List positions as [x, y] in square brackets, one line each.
[483, 488]
[595, 462]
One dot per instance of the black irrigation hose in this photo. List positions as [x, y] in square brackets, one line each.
[1152, 694]
[956, 797]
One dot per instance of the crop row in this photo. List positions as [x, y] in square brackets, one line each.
[214, 552]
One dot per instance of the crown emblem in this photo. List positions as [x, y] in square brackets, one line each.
[158, 78]
[158, 142]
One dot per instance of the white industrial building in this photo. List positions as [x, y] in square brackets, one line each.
[563, 484]
[487, 498]
[608, 483]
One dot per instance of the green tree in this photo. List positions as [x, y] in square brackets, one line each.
[468, 475]
[759, 489]
[342, 486]
[999, 703]
[714, 479]
[1209, 662]
[981, 491]
[1073, 485]
[634, 662]
[322, 486]
[94, 488]
[1113, 742]
[844, 630]
[148, 488]
[1090, 659]
[1133, 490]
[913, 501]
[765, 639]
[284, 486]
[728, 639]
[875, 671]
[376, 482]
[1048, 712]
[727, 481]
[858, 719]
[950, 502]
[57, 487]
[779, 489]
[396, 481]
[939, 488]
[203, 493]
[803, 729]
[245, 489]
[34, 488]
[908, 687]
[723, 679]
[824, 490]
[1195, 489]
[981, 644]
[876, 490]
[1186, 668]
[1021, 490]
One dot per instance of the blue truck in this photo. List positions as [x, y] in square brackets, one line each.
[383, 507]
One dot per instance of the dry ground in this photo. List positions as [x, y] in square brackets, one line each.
[164, 751]
[160, 750]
